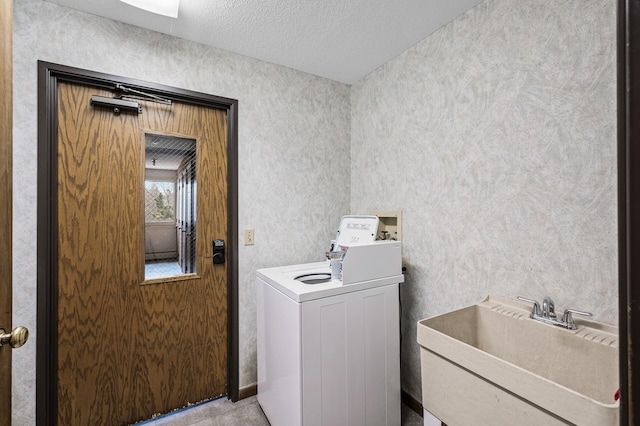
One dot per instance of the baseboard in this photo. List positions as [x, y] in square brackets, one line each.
[411, 402]
[248, 391]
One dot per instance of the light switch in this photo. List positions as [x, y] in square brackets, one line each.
[249, 237]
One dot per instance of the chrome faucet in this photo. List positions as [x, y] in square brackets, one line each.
[548, 308]
[548, 315]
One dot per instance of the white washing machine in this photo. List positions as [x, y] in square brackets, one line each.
[329, 349]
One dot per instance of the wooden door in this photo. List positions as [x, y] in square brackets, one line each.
[129, 348]
[5, 203]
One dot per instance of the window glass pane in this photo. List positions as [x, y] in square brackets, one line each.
[170, 201]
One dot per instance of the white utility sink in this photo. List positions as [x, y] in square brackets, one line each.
[490, 364]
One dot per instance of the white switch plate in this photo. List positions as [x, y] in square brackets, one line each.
[249, 237]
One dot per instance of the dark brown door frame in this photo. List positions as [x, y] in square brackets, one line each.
[49, 75]
[629, 207]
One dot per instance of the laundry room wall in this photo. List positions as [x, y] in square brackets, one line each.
[496, 137]
[294, 156]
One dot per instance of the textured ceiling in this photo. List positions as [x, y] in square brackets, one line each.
[342, 40]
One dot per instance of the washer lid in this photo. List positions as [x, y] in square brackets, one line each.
[357, 229]
[282, 278]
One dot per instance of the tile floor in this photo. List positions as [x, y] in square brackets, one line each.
[161, 269]
[245, 412]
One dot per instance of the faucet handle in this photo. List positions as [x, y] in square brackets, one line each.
[536, 306]
[567, 318]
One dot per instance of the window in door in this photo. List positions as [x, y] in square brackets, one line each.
[170, 200]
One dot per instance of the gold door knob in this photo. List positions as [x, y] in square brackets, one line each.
[16, 338]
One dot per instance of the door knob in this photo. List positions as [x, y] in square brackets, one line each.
[16, 338]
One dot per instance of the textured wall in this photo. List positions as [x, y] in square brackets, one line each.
[293, 151]
[496, 136]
